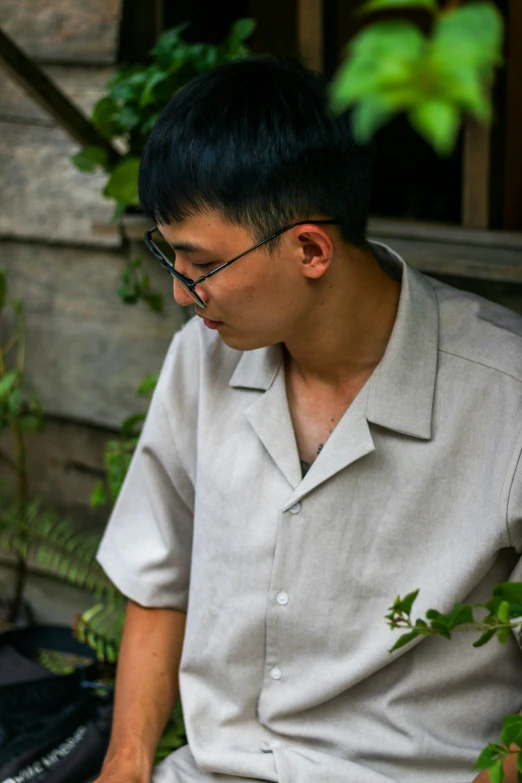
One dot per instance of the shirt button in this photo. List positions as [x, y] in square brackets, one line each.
[276, 673]
[266, 747]
[295, 509]
[282, 598]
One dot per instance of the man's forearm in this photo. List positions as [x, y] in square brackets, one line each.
[146, 687]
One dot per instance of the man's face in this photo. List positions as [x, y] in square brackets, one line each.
[258, 300]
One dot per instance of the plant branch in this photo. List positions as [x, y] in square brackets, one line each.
[475, 628]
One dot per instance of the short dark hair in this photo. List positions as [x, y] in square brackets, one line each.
[255, 139]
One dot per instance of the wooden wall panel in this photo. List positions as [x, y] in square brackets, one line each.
[65, 461]
[86, 351]
[43, 196]
[513, 123]
[83, 31]
[476, 173]
[310, 31]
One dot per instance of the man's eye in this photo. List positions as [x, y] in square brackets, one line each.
[202, 266]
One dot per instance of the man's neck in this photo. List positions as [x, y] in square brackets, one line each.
[345, 335]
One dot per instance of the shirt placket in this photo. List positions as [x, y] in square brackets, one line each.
[279, 605]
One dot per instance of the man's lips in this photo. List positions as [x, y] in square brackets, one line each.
[210, 323]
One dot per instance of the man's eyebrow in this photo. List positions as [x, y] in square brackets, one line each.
[188, 247]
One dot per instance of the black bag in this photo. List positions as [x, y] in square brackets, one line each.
[53, 728]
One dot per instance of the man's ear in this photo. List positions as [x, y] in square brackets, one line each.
[316, 250]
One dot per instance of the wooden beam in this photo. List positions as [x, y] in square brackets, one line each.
[311, 33]
[49, 96]
[513, 123]
[476, 174]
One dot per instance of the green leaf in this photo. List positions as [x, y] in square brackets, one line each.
[509, 591]
[496, 771]
[130, 84]
[511, 730]
[8, 383]
[499, 750]
[403, 640]
[460, 615]
[368, 116]
[119, 209]
[485, 759]
[380, 56]
[240, 31]
[89, 158]
[154, 301]
[438, 122]
[170, 46]
[31, 423]
[104, 117]
[384, 5]
[405, 604]
[129, 117]
[486, 636]
[148, 384]
[519, 763]
[503, 612]
[14, 403]
[470, 35]
[503, 635]
[98, 496]
[123, 183]
[154, 79]
[3, 287]
[128, 426]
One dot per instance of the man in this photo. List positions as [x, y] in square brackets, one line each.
[331, 430]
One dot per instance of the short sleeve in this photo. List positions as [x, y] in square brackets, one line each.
[146, 548]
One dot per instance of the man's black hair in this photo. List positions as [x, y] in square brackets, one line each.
[256, 140]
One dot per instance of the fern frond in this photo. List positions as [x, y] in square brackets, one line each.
[101, 628]
[55, 545]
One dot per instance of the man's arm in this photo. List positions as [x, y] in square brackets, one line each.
[146, 690]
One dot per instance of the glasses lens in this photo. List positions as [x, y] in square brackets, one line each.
[167, 257]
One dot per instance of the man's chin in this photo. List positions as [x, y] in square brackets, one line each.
[242, 342]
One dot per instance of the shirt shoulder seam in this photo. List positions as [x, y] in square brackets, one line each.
[481, 364]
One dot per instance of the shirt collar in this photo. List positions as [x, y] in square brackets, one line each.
[402, 386]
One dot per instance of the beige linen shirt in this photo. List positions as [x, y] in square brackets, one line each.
[286, 674]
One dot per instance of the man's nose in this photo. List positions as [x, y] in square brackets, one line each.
[184, 297]
[181, 295]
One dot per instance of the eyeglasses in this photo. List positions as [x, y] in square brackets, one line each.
[189, 284]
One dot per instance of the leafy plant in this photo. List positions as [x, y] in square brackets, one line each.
[499, 617]
[135, 97]
[20, 412]
[27, 531]
[392, 67]
[118, 453]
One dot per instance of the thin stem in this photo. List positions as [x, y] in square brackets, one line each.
[8, 461]
[21, 339]
[462, 629]
[10, 344]
[23, 487]
[21, 462]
